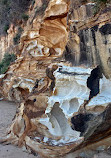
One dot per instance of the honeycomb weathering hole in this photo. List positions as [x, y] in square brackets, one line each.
[60, 126]
[73, 105]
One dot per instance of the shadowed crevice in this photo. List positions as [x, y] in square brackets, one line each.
[79, 122]
[93, 81]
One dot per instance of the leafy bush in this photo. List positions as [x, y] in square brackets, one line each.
[20, 29]
[99, 5]
[101, 1]
[33, 2]
[25, 17]
[83, 1]
[6, 27]
[6, 61]
[16, 39]
[4, 2]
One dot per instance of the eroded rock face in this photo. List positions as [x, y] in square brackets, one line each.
[62, 79]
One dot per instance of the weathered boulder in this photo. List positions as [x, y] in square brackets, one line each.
[62, 80]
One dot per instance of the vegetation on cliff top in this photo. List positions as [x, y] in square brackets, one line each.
[16, 39]
[6, 61]
[100, 4]
[12, 11]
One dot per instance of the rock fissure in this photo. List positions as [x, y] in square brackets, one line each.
[93, 82]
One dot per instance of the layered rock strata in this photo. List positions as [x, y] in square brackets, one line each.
[62, 79]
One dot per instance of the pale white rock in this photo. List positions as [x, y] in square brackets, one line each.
[70, 91]
[71, 85]
[33, 34]
[32, 45]
[2, 76]
[104, 96]
[24, 83]
[58, 50]
[59, 7]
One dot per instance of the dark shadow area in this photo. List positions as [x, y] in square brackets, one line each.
[105, 29]
[93, 81]
[79, 122]
[83, 46]
[68, 55]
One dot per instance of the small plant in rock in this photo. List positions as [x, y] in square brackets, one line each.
[16, 39]
[83, 1]
[33, 2]
[6, 61]
[12, 12]
[20, 30]
[4, 2]
[99, 5]
[6, 27]
[99, 2]
[25, 17]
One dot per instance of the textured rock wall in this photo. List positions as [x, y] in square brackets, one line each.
[61, 79]
[39, 46]
[89, 36]
[6, 42]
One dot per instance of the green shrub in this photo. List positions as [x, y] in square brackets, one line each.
[20, 29]
[101, 1]
[83, 1]
[16, 39]
[6, 27]
[13, 11]
[99, 5]
[33, 2]
[6, 61]
[4, 2]
[25, 17]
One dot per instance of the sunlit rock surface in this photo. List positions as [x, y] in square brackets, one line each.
[61, 80]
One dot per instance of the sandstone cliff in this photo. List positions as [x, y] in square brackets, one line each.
[62, 80]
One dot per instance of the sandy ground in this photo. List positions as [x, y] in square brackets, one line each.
[7, 112]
